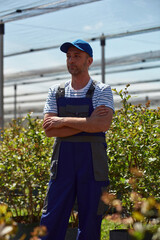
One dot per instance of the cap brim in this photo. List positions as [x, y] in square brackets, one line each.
[65, 46]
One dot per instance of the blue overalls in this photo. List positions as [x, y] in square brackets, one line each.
[79, 170]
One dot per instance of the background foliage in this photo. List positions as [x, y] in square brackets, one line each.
[134, 143]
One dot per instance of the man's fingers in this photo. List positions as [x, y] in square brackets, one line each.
[100, 111]
[52, 122]
[48, 127]
[47, 122]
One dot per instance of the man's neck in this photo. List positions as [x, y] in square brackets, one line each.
[79, 82]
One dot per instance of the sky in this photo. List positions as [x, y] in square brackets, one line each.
[85, 22]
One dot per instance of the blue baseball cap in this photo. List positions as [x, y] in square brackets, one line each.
[80, 44]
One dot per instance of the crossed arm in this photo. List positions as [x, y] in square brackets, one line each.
[99, 121]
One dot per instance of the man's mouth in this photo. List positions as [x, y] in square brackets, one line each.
[72, 66]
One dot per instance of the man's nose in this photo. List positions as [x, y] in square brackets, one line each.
[71, 59]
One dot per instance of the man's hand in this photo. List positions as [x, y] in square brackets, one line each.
[53, 122]
[100, 119]
[100, 111]
[52, 126]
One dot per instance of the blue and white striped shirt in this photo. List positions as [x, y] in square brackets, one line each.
[102, 95]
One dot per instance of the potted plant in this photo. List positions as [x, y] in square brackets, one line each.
[8, 227]
[24, 170]
[142, 223]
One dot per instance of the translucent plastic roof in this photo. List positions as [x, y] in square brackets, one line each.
[19, 9]
[38, 27]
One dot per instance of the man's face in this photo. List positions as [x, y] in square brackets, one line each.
[77, 61]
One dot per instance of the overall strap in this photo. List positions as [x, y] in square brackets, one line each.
[91, 89]
[60, 91]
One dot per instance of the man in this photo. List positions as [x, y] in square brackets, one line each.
[77, 113]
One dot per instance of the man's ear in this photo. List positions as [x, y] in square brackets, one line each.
[90, 60]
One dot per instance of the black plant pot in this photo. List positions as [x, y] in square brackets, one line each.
[26, 229]
[122, 234]
[148, 236]
[71, 234]
[119, 234]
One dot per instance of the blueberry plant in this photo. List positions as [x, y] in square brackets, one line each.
[24, 168]
[134, 143]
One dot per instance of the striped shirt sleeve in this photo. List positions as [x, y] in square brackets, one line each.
[103, 96]
[51, 105]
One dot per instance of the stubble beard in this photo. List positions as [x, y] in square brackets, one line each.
[74, 70]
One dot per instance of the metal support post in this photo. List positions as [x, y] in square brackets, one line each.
[1, 81]
[15, 101]
[102, 39]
